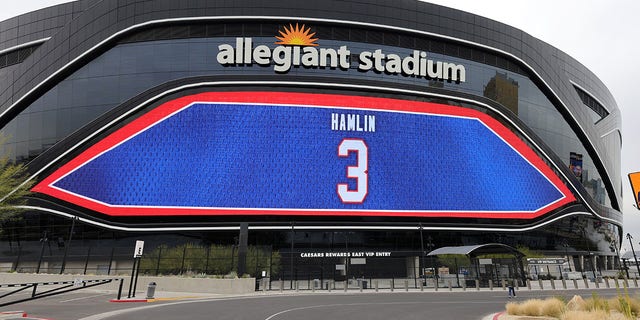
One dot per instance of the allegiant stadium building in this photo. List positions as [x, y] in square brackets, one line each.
[349, 138]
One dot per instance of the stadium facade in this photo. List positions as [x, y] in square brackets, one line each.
[348, 137]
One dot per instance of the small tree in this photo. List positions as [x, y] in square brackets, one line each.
[13, 190]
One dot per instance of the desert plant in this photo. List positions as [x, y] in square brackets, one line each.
[591, 315]
[597, 303]
[550, 307]
[626, 305]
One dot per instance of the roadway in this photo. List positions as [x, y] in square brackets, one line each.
[472, 305]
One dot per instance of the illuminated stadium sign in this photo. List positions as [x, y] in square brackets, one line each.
[297, 48]
[301, 154]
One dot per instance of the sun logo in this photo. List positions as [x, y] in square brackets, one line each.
[297, 36]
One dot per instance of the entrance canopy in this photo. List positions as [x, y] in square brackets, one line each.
[476, 250]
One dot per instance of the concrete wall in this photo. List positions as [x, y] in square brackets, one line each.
[168, 284]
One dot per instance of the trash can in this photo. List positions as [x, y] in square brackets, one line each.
[151, 290]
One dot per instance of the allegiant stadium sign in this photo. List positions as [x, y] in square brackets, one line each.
[297, 48]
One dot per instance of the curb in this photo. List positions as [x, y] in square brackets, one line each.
[9, 315]
[130, 300]
[155, 299]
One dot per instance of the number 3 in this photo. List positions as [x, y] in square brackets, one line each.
[359, 172]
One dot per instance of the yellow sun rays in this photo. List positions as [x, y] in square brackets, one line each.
[297, 36]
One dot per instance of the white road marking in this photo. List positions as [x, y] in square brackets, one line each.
[81, 298]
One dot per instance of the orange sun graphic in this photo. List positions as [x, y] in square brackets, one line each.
[297, 36]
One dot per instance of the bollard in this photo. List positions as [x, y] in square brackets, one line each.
[575, 284]
[606, 283]
[281, 285]
[464, 285]
[376, 285]
[313, 287]
[435, 284]
[504, 284]
[151, 290]
[529, 284]
[491, 285]
[329, 286]
[296, 285]
[346, 285]
[450, 285]
[264, 284]
[421, 285]
[564, 284]
[120, 289]
[553, 284]
[586, 283]
[477, 285]
[406, 285]
[541, 284]
[361, 285]
[595, 280]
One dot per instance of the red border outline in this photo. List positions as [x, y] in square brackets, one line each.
[308, 99]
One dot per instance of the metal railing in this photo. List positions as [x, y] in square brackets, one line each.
[66, 286]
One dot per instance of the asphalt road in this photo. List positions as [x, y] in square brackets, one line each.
[472, 305]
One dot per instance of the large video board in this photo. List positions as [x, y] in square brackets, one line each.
[303, 154]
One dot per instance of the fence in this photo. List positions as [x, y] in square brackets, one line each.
[406, 284]
[185, 259]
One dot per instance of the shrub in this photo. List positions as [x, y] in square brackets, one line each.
[597, 303]
[551, 307]
[591, 315]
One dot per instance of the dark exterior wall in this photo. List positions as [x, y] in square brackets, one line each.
[77, 27]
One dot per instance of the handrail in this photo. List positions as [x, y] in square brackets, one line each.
[78, 285]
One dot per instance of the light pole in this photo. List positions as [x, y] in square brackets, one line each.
[614, 245]
[566, 254]
[422, 255]
[592, 258]
[430, 246]
[293, 235]
[634, 252]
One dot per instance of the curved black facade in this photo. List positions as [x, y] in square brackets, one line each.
[85, 87]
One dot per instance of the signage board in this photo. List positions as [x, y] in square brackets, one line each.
[297, 48]
[312, 155]
[137, 252]
[547, 261]
[634, 179]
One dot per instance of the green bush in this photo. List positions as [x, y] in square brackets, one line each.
[198, 260]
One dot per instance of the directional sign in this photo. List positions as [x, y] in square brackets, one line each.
[137, 252]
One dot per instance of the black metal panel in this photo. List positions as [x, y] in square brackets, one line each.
[77, 27]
